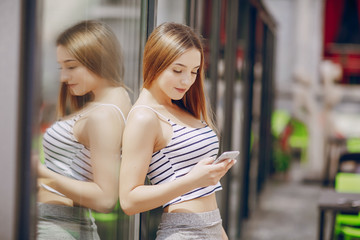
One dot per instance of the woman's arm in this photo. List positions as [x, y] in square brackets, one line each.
[104, 132]
[141, 134]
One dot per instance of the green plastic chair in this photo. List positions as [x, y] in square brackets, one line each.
[353, 145]
[351, 233]
[299, 138]
[345, 223]
[279, 120]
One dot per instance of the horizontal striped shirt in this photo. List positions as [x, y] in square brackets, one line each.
[186, 148]
[64, 154]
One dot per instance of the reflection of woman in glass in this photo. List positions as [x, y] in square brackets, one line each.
[169, 138]
[82, 149]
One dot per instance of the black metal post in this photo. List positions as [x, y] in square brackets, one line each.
[28, 107]
[214, 52]
[230, 75]
[271, 97]
[148, 23]
[190, 13]
[265, 113]
[248, 106]
[151, 16]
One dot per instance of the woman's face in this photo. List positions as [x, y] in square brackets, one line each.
[76, 76]
[178, 77]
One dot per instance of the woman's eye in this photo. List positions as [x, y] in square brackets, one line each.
[195, 73]
[177, 71]
[72, 67]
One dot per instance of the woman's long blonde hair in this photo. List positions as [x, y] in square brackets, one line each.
[165, 44]
[96, 47]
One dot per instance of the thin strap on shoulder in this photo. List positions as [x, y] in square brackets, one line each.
[145, 106]
[104, 104]
[116, 107]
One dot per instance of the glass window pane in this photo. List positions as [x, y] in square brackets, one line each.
[72, 66]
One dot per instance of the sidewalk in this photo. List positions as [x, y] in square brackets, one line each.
[287, 210]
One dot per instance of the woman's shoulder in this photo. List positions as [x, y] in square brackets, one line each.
[112, 108]
[142, 120]
[104, 114]
[118, 100]
[142, 113]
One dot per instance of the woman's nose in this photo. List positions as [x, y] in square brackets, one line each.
[186, 79]
[64, 77]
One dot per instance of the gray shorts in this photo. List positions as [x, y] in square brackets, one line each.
[181, 226]
[63, 222]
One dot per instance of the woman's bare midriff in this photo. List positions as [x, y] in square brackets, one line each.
[203, 204]
[45, 196]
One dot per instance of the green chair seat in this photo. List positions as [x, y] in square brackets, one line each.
[344, 223]
[351, 233]
[353, 145]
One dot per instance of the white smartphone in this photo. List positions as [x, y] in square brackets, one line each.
[226, 155]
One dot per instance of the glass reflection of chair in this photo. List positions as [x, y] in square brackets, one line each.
[111, 225]
[347, 225]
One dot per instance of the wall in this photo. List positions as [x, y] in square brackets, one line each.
[9, 71]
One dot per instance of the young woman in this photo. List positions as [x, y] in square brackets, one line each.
[82, 149]
[170, 139]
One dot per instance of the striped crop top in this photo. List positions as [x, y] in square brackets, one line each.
[64, 154]
[186, 148]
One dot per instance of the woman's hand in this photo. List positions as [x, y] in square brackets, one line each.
[45, 196]
[204, 173]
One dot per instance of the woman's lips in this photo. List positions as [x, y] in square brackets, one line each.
[181, 90]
